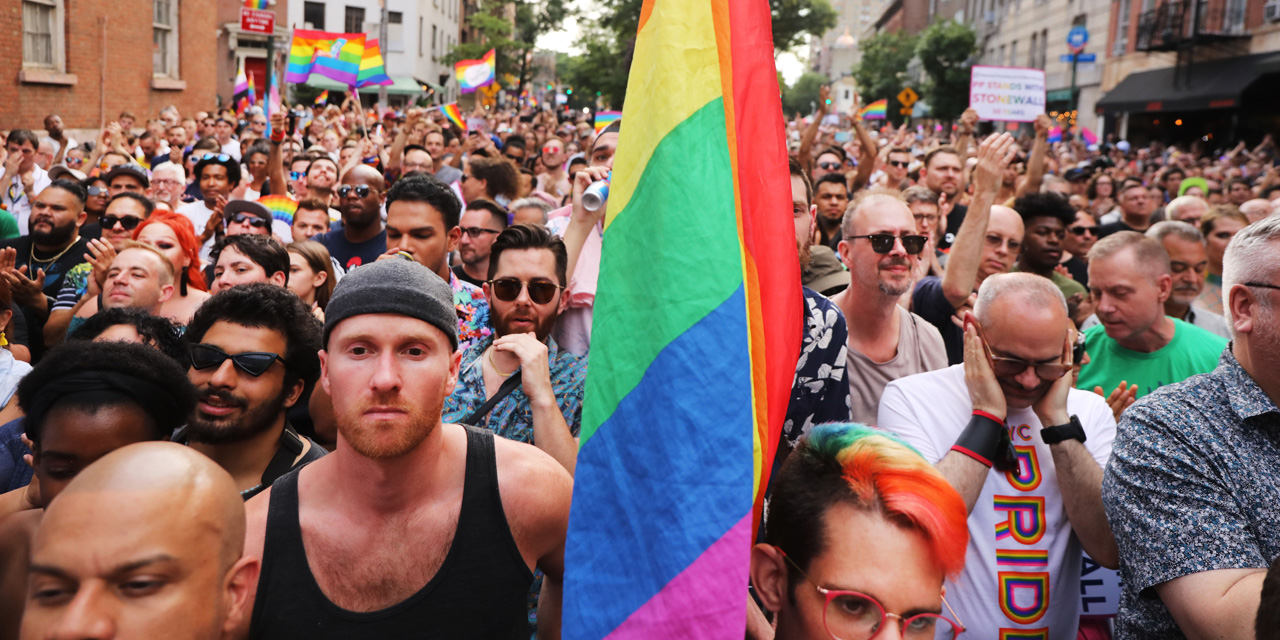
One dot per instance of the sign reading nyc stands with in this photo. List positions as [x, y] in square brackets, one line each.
[1007, 93]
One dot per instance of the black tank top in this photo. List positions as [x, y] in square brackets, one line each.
[479, 591]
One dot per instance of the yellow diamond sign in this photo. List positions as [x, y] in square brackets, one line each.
[907, 97]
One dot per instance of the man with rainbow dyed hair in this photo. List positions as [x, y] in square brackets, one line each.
[860, 534]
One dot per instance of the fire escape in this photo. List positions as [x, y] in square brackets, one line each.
[1180, 26]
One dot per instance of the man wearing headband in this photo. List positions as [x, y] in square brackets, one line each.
[411, 523]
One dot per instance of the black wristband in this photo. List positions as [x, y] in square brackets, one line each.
[1072, 430]
[981, 439]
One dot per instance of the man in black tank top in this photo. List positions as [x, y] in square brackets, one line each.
[408, 529]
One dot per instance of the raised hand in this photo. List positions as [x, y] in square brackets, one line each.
[994, 155]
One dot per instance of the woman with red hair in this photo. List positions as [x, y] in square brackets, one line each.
[175, 237]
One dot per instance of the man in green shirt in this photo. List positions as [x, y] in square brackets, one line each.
[1129, 280]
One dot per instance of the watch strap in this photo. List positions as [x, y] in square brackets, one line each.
[1069, 431]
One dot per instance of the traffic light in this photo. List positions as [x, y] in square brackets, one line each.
[568, 92]
[550, 87]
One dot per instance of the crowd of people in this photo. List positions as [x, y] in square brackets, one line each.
[1020, 356]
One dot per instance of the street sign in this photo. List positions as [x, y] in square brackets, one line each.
[1077, 38]
[907, 97]
[1079, 57]
[255, 21]
[906, 111]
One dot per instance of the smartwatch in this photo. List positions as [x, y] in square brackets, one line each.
[1069, 431]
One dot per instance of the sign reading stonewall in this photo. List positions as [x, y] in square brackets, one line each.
[1007, 93]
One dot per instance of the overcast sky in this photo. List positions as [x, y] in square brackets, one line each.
[791, 64]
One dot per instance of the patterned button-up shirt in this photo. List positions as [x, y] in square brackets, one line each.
[473, 312]
[819, 391]
[512, 417]
[1193, 485]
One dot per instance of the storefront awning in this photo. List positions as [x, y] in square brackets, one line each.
[403, 86]
[1217, 84]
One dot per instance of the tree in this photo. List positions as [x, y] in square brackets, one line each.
[795, 19]
[881, 73]
[510, 42]
[945, 50]
[802, 97]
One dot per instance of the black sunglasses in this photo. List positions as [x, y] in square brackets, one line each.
[362, 190]
[508, 289]
[900, 164]
[98, 191]
[128, 223]
[829, 166]
[254, 363]
[254, 221]
[883, 242]
[1081, 230]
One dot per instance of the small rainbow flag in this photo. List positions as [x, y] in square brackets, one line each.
[253, 92]
[606, 118]
[473, 74]
[323, 98]
[710, 355]
[875, 110]
[372, 69]
[281, 207]
[1088, 136]
[336, 56]
[451, 112]
[255, 4]
[1055, 134]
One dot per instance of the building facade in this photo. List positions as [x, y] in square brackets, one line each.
[1192, 69]
[237, 47]
[836, 52]
[90, 64]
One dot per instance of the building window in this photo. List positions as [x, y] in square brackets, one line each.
[1013, 53]
[313, 15]
[354, 20]
[433, 42]
[395, 31]
[1122, 29]
[420, 36]
[164, 37]
[1002, 58]
[1044, 48]
[42, 33]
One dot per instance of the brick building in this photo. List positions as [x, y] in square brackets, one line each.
[87, 60]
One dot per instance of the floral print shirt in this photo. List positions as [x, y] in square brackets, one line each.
[820, 392]
[473, 312]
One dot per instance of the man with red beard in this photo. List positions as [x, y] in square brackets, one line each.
[526, 280]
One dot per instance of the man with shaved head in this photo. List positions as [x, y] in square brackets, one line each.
[1256, 209]
[881, 248]
[146, 542]
[987, 243]
[1188, 209]
[362, 237]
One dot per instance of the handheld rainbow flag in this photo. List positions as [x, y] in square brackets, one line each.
[875, 110]
[1055, 134]
[255, 4]
[282, 207]
[253, 92]
[606, 118]
[473, 74]
[372, 69]
[335, 56]
[451, 112]
[1088, 136]
[709, 354]
[240, 94]
[323, 98]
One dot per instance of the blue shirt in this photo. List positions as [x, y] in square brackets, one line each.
[1193, 485]
[929, 302]
[512, 417]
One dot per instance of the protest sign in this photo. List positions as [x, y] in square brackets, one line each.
[1007, 93]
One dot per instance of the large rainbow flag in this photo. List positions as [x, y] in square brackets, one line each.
[473, 74]
[372, 69]
[336, 56]
[875, 110]
[694, 352]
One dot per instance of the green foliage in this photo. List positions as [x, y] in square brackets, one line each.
[882, 72]
[802, 97]
[510, 42]
[599, 69]
[945, 50]
[794, 20]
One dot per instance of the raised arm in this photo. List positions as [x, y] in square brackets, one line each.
[867, 155]
[811, 132]
[275, 158]
[994, 154]
[964, 133]
[1035, 165]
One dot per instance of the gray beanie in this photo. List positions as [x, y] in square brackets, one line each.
[400, 287]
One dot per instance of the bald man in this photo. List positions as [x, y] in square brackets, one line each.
[1256, 209]
[362, 237]
[144, 543]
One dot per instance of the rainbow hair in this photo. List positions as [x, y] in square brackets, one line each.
[875, 471]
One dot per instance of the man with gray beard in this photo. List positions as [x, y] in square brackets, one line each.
[881, 248]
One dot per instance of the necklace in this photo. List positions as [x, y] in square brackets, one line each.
[50, 260]
[495, 365]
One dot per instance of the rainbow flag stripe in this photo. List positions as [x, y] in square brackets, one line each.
[372, 69]
[255, 4]
[692, 368]
[323, 98]
[336, 56]
[282, 207]
[606, 118]
[451, 112]
[875, 110]
[473, 74]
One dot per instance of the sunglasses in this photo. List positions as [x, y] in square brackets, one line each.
[901, 164]
[296, 175]
[829, 166]
[254, 363]
[1081, 230]
[508, 289]
[128, 223]
[252, 220]
[361, 190]
[883, 242]
[97, 191]
[476, 232]
[221, 157]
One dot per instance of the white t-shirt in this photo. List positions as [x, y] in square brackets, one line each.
[1022, 569]
[15, 198]
[232, 148]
